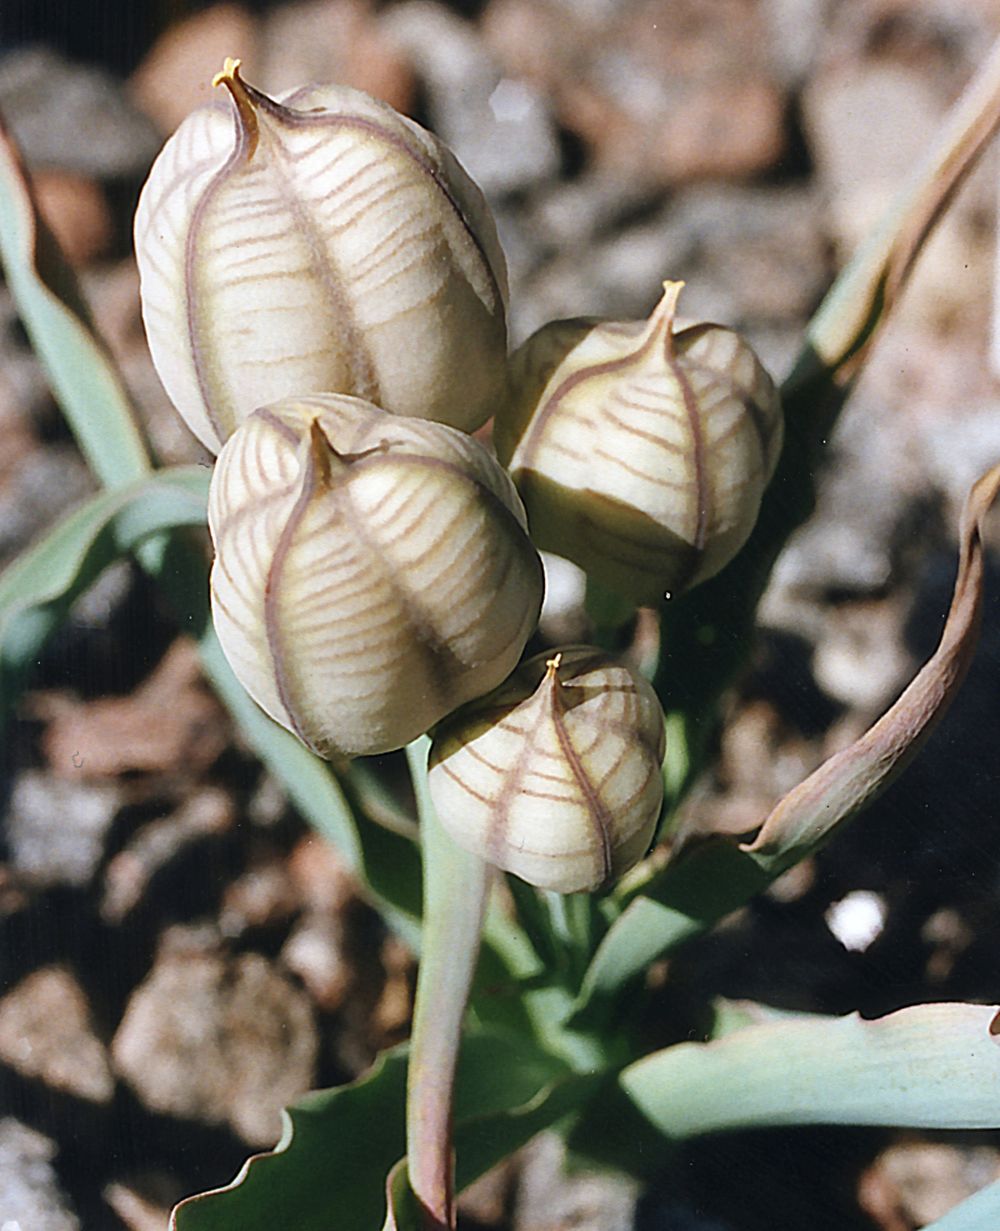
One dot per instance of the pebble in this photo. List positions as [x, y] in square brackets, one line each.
[56, 828]
[49, 102]
[176, 74]
[76, 211]
[795, 33]
[315, 952]
[498, 125]
[144, 1203]
[34, 494]
[220, 1040]
[170, 720]
[925, 1179]
[870, 479]
[548, 1199]
[262, 898]
[46, 1032]
[958, 451]
[662, 101]
[342, 41]
[196, 826]
[31, 1197]
[860, 659]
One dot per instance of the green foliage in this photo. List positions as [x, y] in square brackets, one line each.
[980, 1212]
[338, 1146]
[930, 1066]
[37, 591]
[86, 383]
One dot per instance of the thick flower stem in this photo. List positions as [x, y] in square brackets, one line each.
[456, 889]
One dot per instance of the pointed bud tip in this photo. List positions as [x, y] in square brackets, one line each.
[661, 319]
[666, 309]
[551, 685]
[242, 96]
[228, 75]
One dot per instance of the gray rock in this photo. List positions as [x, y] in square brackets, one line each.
[317, 952]
[866, 495]
[571, 212]
[958, 449]
[98, 603]
[796, 29]
[751, 257]
[30, 1195]
[499, 127]
[57, 110]
[56, 829]
[43, 487]
[549, 1199]
[220, 1040]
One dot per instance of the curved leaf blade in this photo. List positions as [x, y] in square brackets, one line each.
[84, 379]
[38, 588]
[928, 1066]
[339, 1146]
[980, 1212]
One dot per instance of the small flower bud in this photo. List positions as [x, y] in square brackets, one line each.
[641, 453]
[556, 775]
[321, 242]
[372, 571]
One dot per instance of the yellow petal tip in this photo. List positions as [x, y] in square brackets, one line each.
[229, 72]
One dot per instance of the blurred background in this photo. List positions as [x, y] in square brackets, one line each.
[178, 955]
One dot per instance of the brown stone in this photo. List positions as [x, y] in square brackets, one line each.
[665, 96]
[201, 819]
[220, 1040]
[112, 291]
[176, 75]
[334, 41]
[170, 722]
[917, 1182]
[263, 897]
[321, 876]
[76, 211]
[138, 1209]
[394, 1008]
[46, 1033]
[317, 953]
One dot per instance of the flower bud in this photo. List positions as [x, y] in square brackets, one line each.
[372, 571]
[556, 775]
[641, 453]
[321, 242]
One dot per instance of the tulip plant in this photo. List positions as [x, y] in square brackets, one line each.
[324, 297]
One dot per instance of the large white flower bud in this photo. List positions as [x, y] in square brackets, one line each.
[555, 776]
[318, 243]
[641, 452]
[372, 571]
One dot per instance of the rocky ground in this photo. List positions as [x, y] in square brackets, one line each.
[179, 956]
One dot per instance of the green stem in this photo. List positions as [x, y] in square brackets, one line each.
[456, 889]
